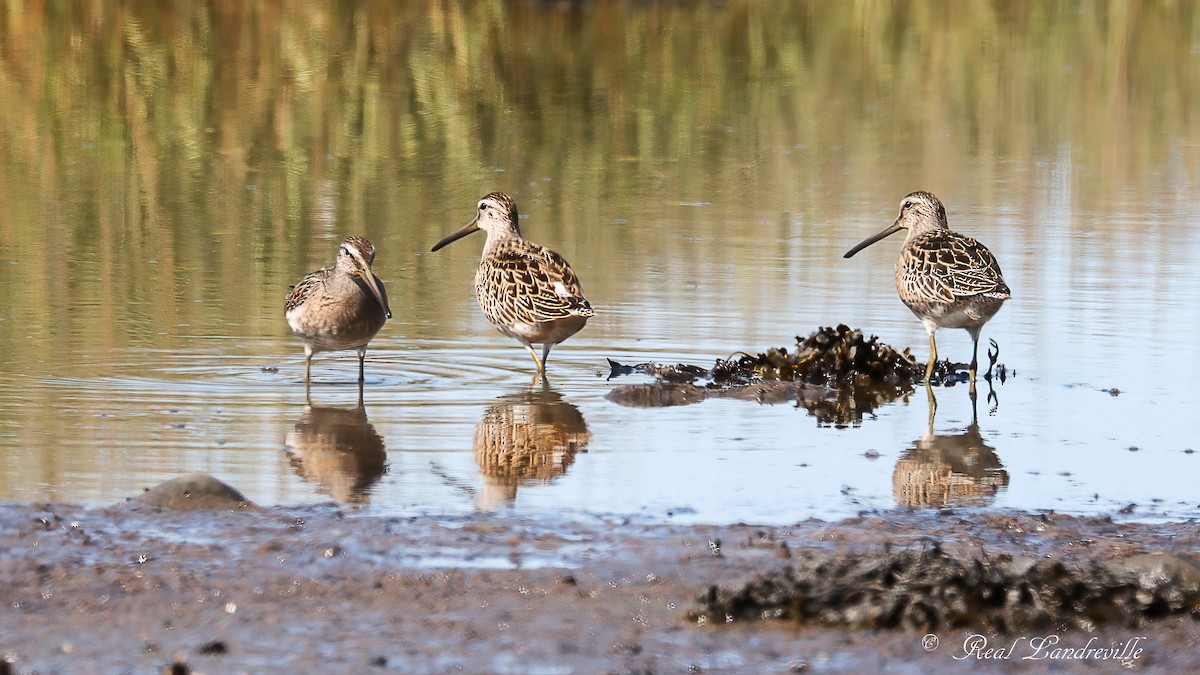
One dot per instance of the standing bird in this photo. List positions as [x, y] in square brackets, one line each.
[948, 280]
[339, 307]
[527, 291]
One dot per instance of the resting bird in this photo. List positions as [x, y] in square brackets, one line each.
[528, 292]
[339, 307]
[947, 279]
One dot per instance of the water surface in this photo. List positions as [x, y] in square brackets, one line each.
[170, 171]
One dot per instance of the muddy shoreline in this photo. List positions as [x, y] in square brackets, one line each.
[141, 588]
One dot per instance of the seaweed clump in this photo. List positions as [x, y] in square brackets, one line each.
[837, 374]
[831, 357]
[929, 590]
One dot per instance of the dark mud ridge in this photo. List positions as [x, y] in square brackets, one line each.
[837, 374]
[930, 590]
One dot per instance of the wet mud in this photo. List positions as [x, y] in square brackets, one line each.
[145, 587]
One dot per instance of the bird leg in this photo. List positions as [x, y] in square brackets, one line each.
[541, 367]
[974, 356]
[362, 355]
[546, 347]
[974, 360]
[308, 352]
[932, 358]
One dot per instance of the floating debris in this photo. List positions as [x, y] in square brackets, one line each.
[837, 374]
[931, 590]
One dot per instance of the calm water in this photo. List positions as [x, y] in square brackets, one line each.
[169, 172]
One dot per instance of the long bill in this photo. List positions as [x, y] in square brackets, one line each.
[368, 276]
[895, 227]
[473, 226]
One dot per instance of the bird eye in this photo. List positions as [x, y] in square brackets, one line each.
[482, 206]
[908, 204]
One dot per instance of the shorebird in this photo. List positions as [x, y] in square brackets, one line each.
[527, 291]
[339, 307]
[947, 279]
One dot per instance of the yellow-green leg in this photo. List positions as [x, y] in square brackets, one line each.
[541, 366]
[932, 358]
[308, 352]
[974, 357]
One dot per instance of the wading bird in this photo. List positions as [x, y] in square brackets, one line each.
[527, 291]
[947, 279]
[339, 307]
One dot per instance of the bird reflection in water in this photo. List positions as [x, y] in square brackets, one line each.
[528, 437]
[339, 450]
[941, 470]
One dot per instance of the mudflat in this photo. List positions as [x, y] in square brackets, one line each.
[147, 587]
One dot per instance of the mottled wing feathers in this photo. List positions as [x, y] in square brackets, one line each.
[943, 265]
[302, 291]
[524, 283]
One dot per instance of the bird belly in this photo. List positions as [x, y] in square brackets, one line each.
[552, 331]
[966, 312]
[337, 325]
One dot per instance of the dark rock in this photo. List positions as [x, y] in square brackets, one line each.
[194, 491]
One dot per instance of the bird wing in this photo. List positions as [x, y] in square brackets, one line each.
[303, 290]
[530, 284]
[945, 265]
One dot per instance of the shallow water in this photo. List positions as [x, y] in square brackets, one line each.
[170, 172]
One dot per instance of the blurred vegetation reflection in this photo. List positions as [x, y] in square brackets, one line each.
[168, 167]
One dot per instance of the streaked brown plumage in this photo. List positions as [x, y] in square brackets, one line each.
[948, 280]
[528, 292]
[339, 307]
